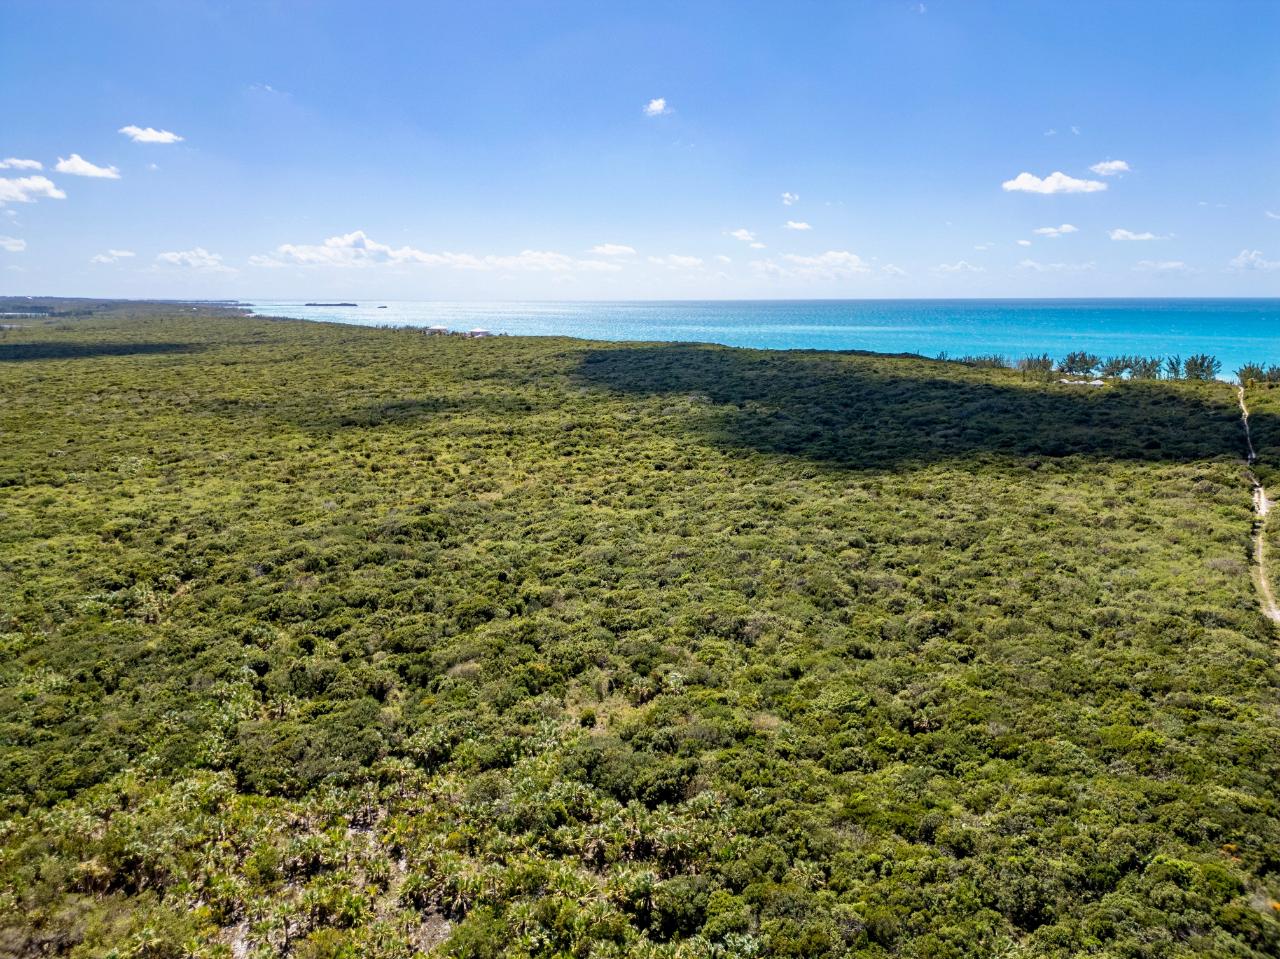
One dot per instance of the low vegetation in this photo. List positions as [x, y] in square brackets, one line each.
[322, 641]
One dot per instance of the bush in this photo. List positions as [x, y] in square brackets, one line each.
[1251, 373]
[1202, 366]
[1079, 364]
[1145, 368]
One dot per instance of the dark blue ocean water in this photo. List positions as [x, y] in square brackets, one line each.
[1236, 331]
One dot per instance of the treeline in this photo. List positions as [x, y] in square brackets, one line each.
[1257, 373]
[1198, 366]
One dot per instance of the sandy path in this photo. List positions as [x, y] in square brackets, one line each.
[1261, 507]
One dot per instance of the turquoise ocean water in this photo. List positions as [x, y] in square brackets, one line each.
[1234, 330]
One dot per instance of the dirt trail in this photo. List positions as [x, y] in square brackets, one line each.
[1261, 507]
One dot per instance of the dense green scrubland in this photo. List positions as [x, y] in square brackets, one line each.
[323, 641]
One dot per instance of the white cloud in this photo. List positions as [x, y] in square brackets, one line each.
[743, 234]
[1023, 242]
[721, 258]
[149, 134]
[656, 107]
[76, 165]
[675, 261]
[1110, 168]
[1056, 230]
[797, 225]
[613, 249]
[830, 265]
[11, 244]
[836, 262]
[27, 189]
[757, 245]
[1161, 266]
[1051, 132]
[890, 270]
[789, 199]
[199, 260]
[983, 246]
[1055, 267]
[1253, 260]
[1130, 235]
[111, 256]
[358, 250]
[960, 266]
[1075, 131]
[1272, 216]
[13, 163]
[1056, 182]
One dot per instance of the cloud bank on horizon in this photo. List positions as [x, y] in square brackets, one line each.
[516, 178]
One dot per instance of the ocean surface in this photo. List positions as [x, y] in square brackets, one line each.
[1234, 330]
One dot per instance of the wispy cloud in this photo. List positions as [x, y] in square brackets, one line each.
[1130, 235]
[28, 189]
[356, 249]
[890, 270]
[790, 199]
[1023, 242]
[796, 225]
[742, 233]
[12, 244]
[1055, 231]
[1251, 260]
[656, 107]
[198, 260]
[613, 249]
[1037, 267]
[674, 261]
[76, 165]
[1272, 216]
[1056, 182]
[14, 163]
[831, 265]
[960, 266]
[149, 134]
[1161, 266]
[1110, 168]
[111, 256]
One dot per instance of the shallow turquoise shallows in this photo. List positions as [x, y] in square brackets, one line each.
[1236, 330]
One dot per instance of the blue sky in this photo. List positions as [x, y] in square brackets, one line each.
[477, 150]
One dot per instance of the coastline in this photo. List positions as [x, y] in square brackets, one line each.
[1237, 330]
